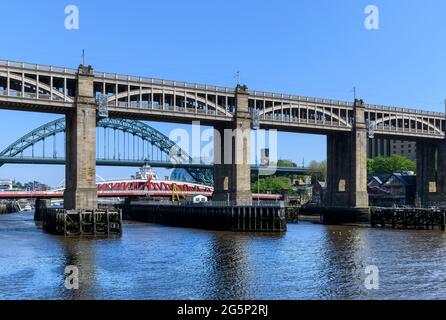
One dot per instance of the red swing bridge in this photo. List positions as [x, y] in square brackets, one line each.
[124, 188]
[144, 184]
[134, 188]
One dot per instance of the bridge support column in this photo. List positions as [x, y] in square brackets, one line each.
[347, 166]
[222, 170]
[232, 151]
[431, 173]
[80, 150]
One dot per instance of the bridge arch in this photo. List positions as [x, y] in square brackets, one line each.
[327, 113]
[34, 82]
[418, 121]
[133, 127]
[137, 93]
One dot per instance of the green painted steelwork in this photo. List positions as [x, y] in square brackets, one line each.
[14, 152]
[202, 173]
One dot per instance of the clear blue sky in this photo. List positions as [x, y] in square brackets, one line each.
[307, 47]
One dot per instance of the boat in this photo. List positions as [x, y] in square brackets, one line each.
[146, 173]
[27, 208]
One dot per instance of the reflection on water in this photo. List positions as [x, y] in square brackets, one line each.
[149, 261]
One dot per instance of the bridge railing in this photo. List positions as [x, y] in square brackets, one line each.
[280, 96]
[162, 82]
[390, 109]
[36, 67]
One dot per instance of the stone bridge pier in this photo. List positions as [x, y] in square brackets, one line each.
[80, 150]
[346, 199]
[431, 173]
[232, 159]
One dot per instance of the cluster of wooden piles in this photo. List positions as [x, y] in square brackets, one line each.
[9, 208]
[408, 218]
[82, 222]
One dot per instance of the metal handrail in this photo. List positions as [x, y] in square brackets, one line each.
[157, 81]
[265, 94]
[404, 110]
[36, 67]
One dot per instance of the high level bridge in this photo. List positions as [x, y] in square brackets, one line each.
[74, 93]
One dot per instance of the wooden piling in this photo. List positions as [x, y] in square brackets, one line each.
[11, 207]
[82, 222]
[408, 218]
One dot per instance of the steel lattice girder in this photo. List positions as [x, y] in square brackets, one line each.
[134, 127]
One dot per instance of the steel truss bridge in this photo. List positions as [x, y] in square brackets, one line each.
[121, 143]
[124, 188]
[33, 87]
[125, 143]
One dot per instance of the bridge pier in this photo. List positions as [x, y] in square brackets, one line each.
[232, 156]
[222, 171]
[80, 150]
[347, 198]
[431, 173]
[40, 206]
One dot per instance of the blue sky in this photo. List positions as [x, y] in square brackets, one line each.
[316, 48]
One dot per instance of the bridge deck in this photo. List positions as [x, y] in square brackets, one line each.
[32, 87]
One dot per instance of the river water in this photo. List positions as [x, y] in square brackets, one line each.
[310, 261]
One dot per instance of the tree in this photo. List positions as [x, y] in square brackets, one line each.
[17, 184]
[391, 164]
[31, 185]
[271, 184]
[286, 164]
[318, 169]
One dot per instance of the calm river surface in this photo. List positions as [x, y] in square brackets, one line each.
[150, 261]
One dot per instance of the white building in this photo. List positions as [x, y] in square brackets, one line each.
[5, 184]
[199, 199]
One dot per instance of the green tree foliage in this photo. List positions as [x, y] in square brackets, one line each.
[271, 184]
[286, 164]
[31, 185]
[391, 164]
[17, 184]
[318, 169]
